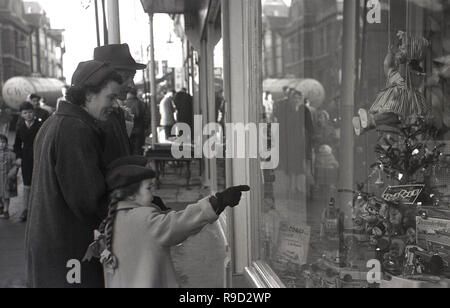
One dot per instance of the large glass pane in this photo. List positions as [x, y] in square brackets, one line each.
[311, 234]
[220, 104]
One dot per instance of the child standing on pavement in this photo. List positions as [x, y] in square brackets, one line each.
[8, 172]
[134, 241]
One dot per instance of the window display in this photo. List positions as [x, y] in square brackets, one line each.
[396, 229]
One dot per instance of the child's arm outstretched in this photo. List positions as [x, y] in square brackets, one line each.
[175, 227]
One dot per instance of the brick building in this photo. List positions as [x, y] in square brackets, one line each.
[28, 45]
[47, 46]
[14, 41]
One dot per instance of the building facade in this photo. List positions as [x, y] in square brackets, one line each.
[14, 41]
[47, 44]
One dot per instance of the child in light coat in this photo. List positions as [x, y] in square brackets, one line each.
[134, 241]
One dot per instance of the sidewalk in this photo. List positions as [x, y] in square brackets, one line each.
[12, 236]
[198, 262]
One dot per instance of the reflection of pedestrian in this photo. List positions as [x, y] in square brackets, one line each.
[24, 147]
[138, 110]
[68, 182]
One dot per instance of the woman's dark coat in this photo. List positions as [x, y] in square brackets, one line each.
[65, 203]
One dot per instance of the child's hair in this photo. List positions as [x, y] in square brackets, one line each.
[4, 138]
[26, 106]
[118, 195]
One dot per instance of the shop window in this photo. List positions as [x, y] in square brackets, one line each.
[399, 213]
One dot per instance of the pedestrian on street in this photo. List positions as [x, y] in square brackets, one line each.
[167, 111]
[68, 192]
[63, 98]
[138, 110]
[40, 114]
[24, 148]
[8, 176]
[185, 110]
[136, 237]
[117, 141]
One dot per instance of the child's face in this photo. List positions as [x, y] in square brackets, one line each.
[144, 196]
[27, 115]
[3, 145]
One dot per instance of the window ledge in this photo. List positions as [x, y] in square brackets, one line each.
[261, 276]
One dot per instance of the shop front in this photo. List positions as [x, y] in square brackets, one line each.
[354, 95]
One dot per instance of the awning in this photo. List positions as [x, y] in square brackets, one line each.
[312, 89]
[167, 6]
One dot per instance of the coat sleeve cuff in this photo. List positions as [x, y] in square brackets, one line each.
[208, 210]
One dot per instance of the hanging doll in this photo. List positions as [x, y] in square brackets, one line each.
[401, 101]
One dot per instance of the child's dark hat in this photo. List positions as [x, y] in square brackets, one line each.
[119, 56]
[128, 160]
[127, 175]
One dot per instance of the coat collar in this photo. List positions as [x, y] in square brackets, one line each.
[74, 111]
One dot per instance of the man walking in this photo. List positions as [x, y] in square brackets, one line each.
[138, 110]
[185, 111]
[167, 110]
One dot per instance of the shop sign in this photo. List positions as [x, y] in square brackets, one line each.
[405, 194]
[293, 245]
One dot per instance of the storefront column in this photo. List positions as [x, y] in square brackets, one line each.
[153, 109]
[203, 94]
[346, 180]
[113, 21]
[242, 87]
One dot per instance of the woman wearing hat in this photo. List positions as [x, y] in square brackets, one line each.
[68, 182]
[117, 142]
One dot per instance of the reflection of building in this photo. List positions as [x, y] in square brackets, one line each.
[14, 38]
[47, 47]
[303, 41]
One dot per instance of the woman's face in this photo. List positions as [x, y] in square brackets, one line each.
[144, 196]
[100, 105]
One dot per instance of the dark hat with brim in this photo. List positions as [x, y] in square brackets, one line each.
[119, 56]
[124, 176]
[128, 160]
[91, 73]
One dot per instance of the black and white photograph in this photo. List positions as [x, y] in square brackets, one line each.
[224, 148]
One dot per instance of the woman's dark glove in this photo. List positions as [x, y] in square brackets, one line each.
[229, 197]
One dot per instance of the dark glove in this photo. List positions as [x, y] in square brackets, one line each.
[230, 197]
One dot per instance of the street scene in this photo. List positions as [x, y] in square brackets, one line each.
[225, 144]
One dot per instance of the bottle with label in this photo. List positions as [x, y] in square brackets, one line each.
[330, 222]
